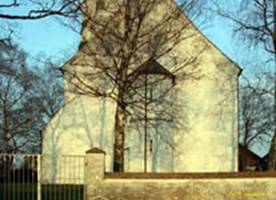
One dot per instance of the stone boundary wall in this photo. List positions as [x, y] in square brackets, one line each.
[174, 186]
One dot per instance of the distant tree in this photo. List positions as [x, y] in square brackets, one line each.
[256, 116]
[15, 92]
[255, 25]
[49, 90]
[27, 100]
[47, 96]
[255, 22]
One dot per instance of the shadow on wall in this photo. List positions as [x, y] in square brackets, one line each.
[75, 128]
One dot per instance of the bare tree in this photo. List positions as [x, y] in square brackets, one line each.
[49, 88]
[15, 87]
[27, 100]
[256, 119]
[38, 9]
[47, 95]
[119, 38]
[255, 24]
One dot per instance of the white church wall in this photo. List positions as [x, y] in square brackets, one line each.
[210, 140]
[206, 106]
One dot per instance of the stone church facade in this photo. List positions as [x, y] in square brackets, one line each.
[205, 108]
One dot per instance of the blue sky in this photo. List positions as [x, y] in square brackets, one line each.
[49, 38]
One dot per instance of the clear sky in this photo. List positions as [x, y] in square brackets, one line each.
[48, 37]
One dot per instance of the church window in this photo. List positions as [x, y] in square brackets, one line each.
[100, 5]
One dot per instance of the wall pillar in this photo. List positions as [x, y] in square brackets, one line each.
[94, 172]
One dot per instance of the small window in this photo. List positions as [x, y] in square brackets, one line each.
[100, 5]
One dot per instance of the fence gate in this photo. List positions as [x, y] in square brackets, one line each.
[19, 177]
[36, 177]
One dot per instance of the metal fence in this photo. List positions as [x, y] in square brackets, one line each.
[62, 177]
[36, 177]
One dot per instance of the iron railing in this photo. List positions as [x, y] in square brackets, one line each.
[62, 177]
[36, 177]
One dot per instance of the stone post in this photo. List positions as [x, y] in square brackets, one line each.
[94, 172]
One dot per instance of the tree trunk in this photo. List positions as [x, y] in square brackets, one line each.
[272, 155]
[5, 129]
[243, 159]
[103, 124]
[118, 165]
[120, 118]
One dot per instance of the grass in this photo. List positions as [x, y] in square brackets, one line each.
[26, 191]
